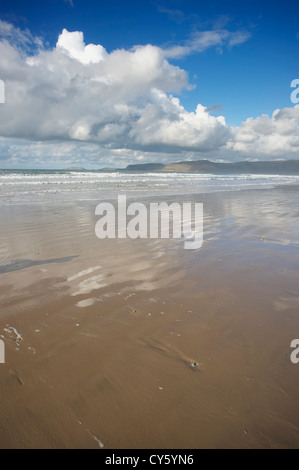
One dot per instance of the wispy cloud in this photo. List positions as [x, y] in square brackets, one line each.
[20, 38]
[202, 40]
[177, 16]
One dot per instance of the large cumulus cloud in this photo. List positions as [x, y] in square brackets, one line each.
[266, 136]
[77, 99]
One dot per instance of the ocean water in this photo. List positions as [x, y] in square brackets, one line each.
[35, 186]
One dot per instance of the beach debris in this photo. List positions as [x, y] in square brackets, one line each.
[171, 352]
[161, 388]
[134, 311]
[16, 376]
[163, 313]
[101, 444]
[14, 331]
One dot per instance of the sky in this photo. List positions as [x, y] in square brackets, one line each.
[106, 84]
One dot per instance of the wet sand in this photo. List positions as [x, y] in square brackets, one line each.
[143, 344]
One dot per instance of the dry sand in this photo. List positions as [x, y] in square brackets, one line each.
[143, 344]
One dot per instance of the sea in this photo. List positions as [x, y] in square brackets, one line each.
[35, 186]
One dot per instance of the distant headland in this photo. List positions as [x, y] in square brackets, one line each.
[281, 167]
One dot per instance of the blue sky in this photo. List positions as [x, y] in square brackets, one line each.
[244, 74]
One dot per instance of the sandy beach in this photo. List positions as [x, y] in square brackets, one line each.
[122, 344]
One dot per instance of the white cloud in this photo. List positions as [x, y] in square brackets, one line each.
[80, 92]
[73, 45]
[275, 136]
[164, 122]
[79, 100]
